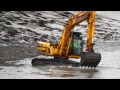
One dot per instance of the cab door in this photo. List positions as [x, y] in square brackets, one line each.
[76, 46]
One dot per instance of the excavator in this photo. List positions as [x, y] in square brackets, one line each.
[71, 45]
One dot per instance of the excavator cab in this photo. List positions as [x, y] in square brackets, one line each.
[76, 46]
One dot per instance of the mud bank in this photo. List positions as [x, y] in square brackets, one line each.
[16, 52]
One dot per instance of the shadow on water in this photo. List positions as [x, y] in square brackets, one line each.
[89, 73]
[66, 72]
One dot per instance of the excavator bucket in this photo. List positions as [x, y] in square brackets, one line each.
[90, 59]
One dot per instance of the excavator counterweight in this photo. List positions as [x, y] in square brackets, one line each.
[71, 45]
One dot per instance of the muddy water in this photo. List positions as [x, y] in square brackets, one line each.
[109, 68]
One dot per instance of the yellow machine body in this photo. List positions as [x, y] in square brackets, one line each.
[62, 49]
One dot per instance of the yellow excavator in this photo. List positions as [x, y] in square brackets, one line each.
[71, 45]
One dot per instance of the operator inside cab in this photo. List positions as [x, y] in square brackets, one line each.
[76, 46]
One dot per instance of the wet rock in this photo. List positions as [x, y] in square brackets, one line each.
[6, 40]
[42, 23]
[36, 39]
[17, 18]
[11, 18]
[1, 68]
[8, 23]
[52, 21]
[1, 20]
[12, 33]
[24, 23]
[67, 13]
[23, 13]
[26, 38]
[1, 12]
[33, 21]
[44, 36]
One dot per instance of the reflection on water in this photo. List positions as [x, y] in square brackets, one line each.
[67, 72]
[89, 73]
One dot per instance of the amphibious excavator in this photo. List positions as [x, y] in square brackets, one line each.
[71, 45]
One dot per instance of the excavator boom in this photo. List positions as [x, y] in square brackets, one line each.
[76, 19]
